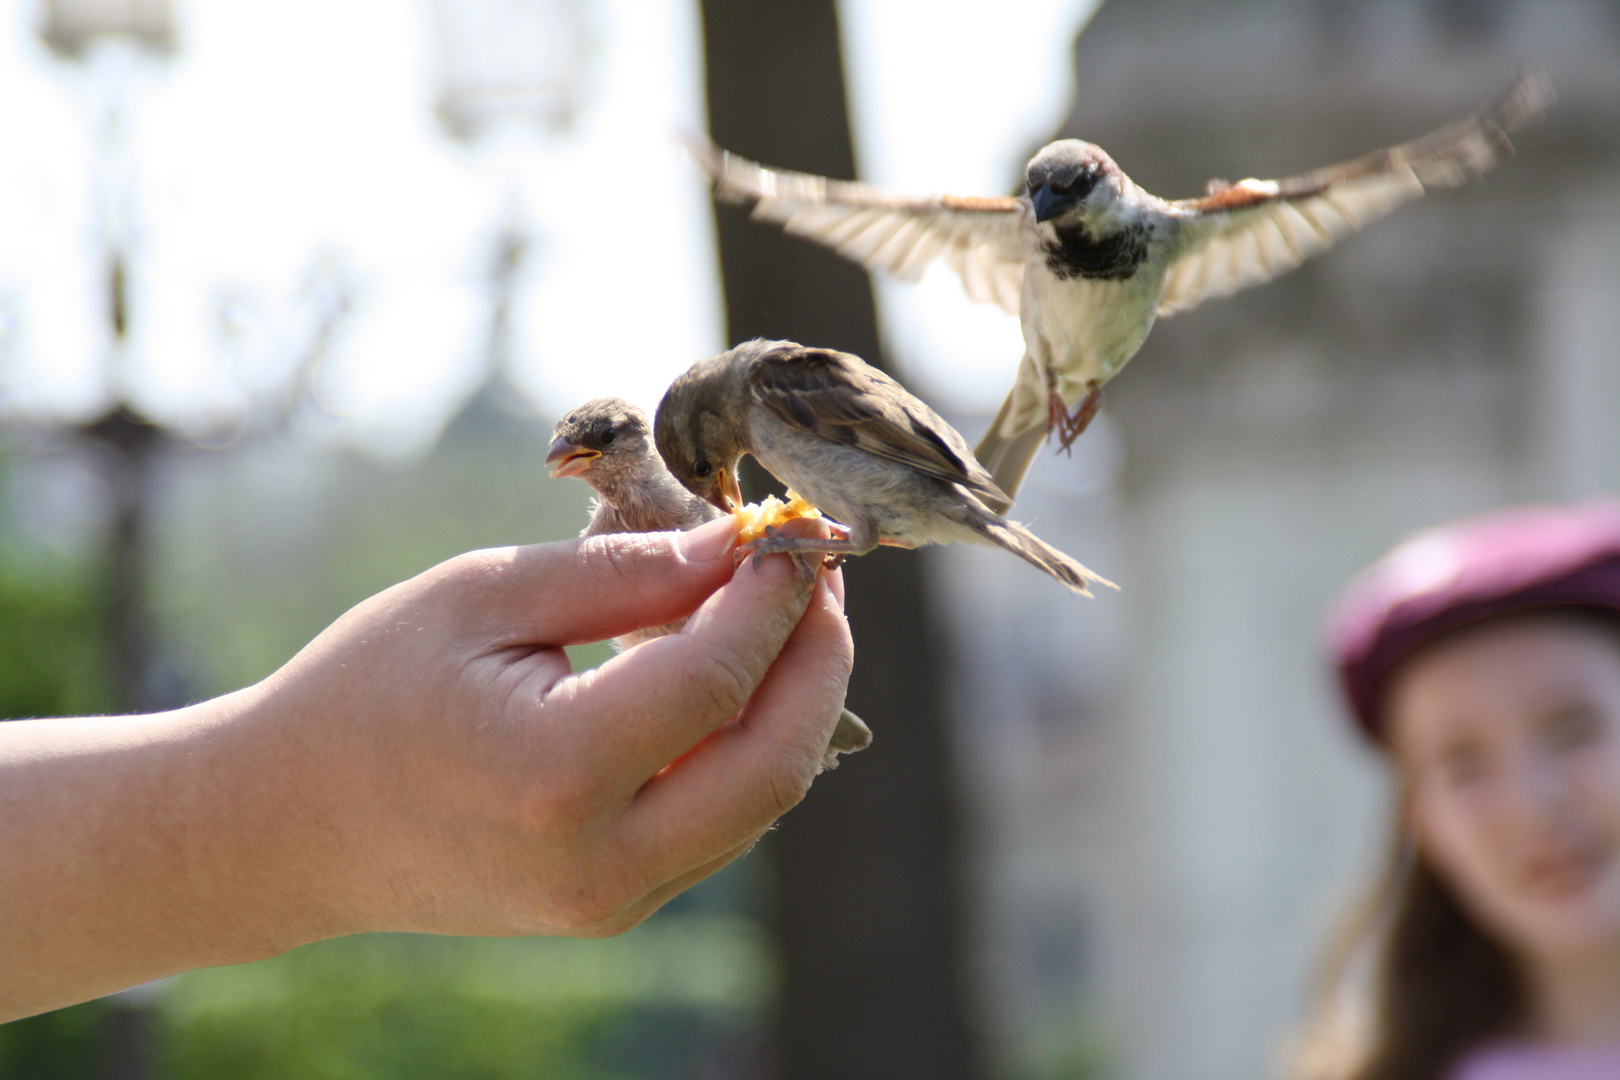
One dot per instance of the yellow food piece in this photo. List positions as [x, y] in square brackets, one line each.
[755, 518]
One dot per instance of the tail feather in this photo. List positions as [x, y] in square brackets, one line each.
[1032, 549]
[850, 737]
[1009, 458]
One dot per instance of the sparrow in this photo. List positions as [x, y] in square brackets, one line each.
[1088, 260]
[608, 444]
[849, 439]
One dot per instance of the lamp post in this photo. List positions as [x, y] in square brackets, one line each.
[106, 38]
[510, 62]
[72, 27]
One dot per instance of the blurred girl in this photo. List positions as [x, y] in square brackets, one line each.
[1484, 660]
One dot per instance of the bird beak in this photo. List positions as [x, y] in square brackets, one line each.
[570, 459]
[1049, 204]
[730, 493]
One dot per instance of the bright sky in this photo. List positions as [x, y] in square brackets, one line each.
[293, 144]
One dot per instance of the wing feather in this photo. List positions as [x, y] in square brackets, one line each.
[894, 234]
[1229, 238]
[841, 398]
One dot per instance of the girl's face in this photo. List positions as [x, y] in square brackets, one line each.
[1509, 736]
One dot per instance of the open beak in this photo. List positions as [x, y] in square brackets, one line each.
[569, 459]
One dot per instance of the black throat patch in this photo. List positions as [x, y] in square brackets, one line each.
[1078, 253]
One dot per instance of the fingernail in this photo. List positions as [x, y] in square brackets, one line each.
[709, 542]
[834, 580]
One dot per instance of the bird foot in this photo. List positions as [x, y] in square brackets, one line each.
[775, 543]
[832, 560]
[1070, 426]
[807, 573]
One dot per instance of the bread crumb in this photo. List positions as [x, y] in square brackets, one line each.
[755, 518]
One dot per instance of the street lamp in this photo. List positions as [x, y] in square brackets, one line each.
[511, 61]
[71, 26]
[106, 39]
[514, 68]
[102, 36]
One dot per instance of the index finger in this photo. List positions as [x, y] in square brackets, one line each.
[653, 703]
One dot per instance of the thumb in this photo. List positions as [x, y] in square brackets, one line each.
[598, 587]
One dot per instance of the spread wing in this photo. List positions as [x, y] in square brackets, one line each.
[898, 235]
[1241, 234]
[845, 400]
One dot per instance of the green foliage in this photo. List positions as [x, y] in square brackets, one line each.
[404, 1007]
[52, 657]
[61, 1045]
[652, 1004]
[1064, 1045]
[260, 550]
[351, 1027]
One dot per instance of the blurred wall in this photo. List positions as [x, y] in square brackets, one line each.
[1171, 808]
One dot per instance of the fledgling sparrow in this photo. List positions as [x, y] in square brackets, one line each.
[1088, 260]
[608, 444]
[849, 439]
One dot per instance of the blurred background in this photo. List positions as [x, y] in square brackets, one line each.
[291, 294]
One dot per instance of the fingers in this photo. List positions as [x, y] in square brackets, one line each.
[751, 772]
[639, 911]
[575, 591]
[835, 581]
[653, 703]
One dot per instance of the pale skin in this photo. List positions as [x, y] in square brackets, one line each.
[1509, 738]
[429, 763]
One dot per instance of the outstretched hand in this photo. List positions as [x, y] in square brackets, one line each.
[581, 801]
[430, 763]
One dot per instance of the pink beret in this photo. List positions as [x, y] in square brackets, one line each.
[1441, 579]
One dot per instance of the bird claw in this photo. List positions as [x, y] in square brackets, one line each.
[772, 543]
[807, 573]
[834, 559]
[1070, 427]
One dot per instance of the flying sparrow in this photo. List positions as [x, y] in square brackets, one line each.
[608, 444]
[849, 439]
[1088, 260]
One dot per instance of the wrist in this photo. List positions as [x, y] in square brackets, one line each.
[135, 847]
[244, 858]
[286, 852]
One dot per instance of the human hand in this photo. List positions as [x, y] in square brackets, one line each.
[493, 791]
[429, 763]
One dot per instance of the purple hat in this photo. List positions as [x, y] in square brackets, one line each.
[1444, 578]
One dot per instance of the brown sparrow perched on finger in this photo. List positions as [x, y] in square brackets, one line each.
[608, 444]
[849, 439]
[1088, 260]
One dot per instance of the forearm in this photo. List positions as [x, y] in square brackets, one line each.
[135, 847]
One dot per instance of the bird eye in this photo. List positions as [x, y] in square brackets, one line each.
[608, 436]
[701, 468]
